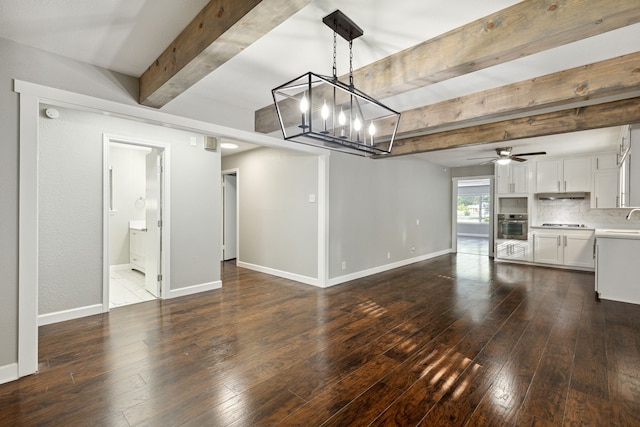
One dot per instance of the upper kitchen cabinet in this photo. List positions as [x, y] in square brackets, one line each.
[605, 181]
[512, 178]
[563, 175]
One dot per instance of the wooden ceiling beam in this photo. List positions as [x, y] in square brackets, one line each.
[523, 29]
[597, 116]
[221, 30]
[610, 79]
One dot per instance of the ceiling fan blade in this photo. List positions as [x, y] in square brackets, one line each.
[480, 158]
[488, 161]
[537, 153]
[517, 159]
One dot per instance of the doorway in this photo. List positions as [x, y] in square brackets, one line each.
[230, 215]
[472, 222]
[134, 191]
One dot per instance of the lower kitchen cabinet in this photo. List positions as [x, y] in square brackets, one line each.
[517, 250]
[617, 269]
[573, 248]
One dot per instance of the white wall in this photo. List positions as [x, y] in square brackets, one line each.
[129, 189]
[373, 208]
[71, 206]
[278, 225]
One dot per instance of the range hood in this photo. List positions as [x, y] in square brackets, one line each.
[560, 196]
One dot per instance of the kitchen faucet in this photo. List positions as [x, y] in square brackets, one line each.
[632, 211]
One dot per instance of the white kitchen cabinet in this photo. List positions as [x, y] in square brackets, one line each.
[512, 178]
[605, 189]
[547, 248]
[573, 248]
[578, 249]
[137, 249]
[517, 250]
[563, 175]
[605, 161]
[617, 269]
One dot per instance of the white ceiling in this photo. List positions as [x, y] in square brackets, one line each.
[128, 35]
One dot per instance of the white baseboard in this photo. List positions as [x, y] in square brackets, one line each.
[279, 273]
[74, 313]
[8, 373]
[119, 267]
[189, 290]
[364, 273]
[338, 280]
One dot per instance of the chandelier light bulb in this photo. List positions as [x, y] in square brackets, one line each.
[324, 111]
[304, 104]
[342, 118]
[357, 125]
[372, 131]
[304, 107]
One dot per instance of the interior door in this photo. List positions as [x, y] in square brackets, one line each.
[230, 202]
[153, 267]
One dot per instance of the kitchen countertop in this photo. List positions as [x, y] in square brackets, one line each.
[551, 227]
[618, 233]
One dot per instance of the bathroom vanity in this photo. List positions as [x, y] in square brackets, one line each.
[137, 245]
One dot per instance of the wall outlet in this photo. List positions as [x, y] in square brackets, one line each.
[413, 249]
[344, 265]
[388, 255]
[417, 222]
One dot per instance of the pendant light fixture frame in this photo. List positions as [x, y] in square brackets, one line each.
[322, 111]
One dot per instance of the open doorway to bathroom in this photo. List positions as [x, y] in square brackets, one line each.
[135, 190]
[472, 218]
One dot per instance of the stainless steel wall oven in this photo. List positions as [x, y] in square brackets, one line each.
[513, 226]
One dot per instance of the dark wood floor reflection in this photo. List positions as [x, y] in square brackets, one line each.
[456, 340]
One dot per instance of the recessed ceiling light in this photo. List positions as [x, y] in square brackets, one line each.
[229, 145]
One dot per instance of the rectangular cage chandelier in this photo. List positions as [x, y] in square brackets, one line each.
[324, 112]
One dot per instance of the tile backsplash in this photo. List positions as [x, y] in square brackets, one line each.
[580, 212]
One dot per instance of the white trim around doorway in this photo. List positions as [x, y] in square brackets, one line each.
[107, 140]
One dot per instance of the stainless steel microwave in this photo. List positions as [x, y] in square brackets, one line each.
[513, 226]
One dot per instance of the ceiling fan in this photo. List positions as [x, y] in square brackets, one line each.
[505, 156]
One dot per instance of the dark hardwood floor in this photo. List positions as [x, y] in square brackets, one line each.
[456, 340]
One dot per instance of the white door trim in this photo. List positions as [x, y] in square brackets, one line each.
[107, 140]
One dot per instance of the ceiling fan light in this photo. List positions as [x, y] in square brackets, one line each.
[504, 161]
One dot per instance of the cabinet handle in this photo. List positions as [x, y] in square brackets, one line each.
[565, 186]
[565, 241]
[597, 163]
[559, 187]
[559, 243]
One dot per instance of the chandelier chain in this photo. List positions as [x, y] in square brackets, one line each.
[351, 63]
[335, 71]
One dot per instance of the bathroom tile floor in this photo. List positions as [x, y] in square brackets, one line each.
[126, 287]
